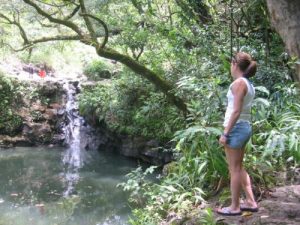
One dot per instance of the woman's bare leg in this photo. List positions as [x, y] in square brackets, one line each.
[235, 160]
[246, 185]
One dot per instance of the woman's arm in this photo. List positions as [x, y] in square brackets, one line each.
[239, 90]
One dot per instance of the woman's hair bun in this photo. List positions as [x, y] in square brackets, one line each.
[246, 64]
[251, 70]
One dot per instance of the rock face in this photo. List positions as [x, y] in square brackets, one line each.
[148, 150]
[42, 114]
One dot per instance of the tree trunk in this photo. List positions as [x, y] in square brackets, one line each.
[285, 17]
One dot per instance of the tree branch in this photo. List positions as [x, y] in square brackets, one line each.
[56, 38]
[142, 70]
[29, 43]
[6, 18]
[138, 6]
[45, 39]
[155, 78]
[55, 25]
[14, 22]
[73, 13]
[104, 26]
[54, 5]
[66, 23]
[138, 55]
[18, 50]
[88, 23]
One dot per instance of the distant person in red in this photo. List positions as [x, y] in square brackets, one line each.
[42, 73]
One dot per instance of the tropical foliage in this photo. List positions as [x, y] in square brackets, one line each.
[180, 49]
[10, 122]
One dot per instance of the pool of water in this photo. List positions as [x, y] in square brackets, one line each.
[34, 182]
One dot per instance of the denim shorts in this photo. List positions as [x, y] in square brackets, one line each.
[239, 135]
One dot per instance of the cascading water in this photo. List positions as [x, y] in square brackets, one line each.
[75, 156]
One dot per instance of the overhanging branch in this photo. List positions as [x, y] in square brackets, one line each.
[66, 23]
[44, 39]
[20, 49]
[73, 13]
[55, 5]
[56, 38]
[88, 23]
[142, 70]
[16, 23]
[104, 26]
[103, 51]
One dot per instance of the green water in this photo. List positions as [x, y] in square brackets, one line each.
[33, 182]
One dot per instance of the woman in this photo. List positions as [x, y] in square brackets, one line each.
[237, 132]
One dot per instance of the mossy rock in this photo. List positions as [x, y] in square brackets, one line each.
[50, 92]
[12, 125]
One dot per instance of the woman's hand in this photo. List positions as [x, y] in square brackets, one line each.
[223, 140]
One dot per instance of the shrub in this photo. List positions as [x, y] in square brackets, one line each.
[97, 70]
[130, 106]
[10, 123]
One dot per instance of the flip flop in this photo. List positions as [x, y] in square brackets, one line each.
[249, 209]
[226, 212]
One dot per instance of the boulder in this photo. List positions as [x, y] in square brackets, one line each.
[148, 150]
[37, 133]
[42, 116]
[50, 114]
[8, 142]
[52, 91]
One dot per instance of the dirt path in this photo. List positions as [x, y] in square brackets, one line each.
[282, 207]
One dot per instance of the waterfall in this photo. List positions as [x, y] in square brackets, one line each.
[75, 156]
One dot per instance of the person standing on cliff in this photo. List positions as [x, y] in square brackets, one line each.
[237, 132]
[42, 73]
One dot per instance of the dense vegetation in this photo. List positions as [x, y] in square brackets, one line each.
[195, 61]
[187, 44]
[10, 89]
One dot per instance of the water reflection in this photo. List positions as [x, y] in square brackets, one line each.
[33, 186]
[75, 156]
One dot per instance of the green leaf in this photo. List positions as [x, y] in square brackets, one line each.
[262, 89]
[262, 101]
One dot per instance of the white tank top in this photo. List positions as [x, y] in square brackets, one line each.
[247, 103]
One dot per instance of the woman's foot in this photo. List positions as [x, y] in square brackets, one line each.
[227, 211]
[251, 207]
